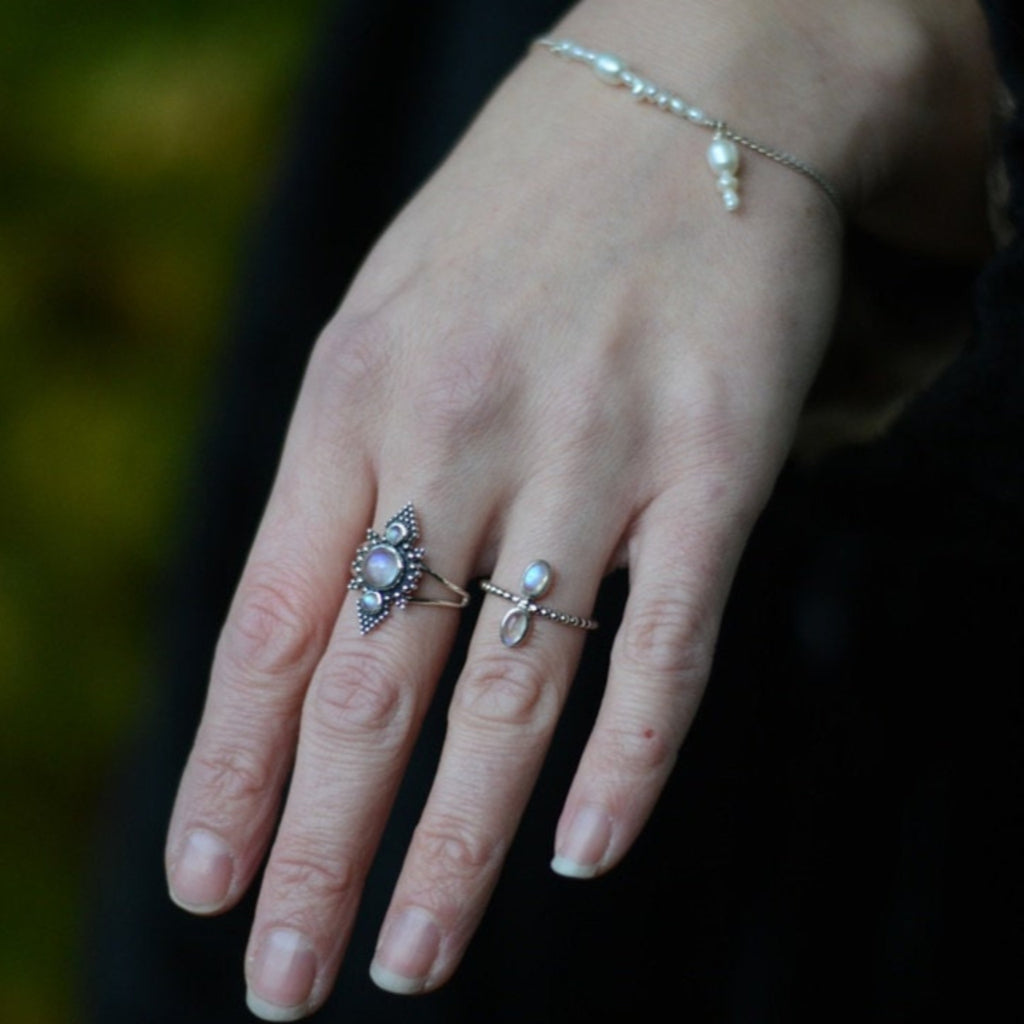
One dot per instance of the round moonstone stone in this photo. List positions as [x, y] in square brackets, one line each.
[514, 626]
[536, 579]
[371, 602]
[383, 567]
[396, 533]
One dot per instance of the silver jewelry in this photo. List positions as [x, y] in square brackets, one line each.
[723, 154]
[388, 569]
[536, 582]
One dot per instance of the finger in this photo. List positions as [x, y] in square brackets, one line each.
[680, 570]
[274, 635]
[361, 715]
[503, 713]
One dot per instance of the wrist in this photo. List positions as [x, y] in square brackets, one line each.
[887, 98]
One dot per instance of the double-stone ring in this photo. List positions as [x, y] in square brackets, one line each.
[388, 569]
[536, 582]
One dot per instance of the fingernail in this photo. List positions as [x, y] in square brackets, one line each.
[201, 878]
[584, 844]
[281, 976]
[407, 953]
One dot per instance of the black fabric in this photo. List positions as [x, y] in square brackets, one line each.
[843, 837]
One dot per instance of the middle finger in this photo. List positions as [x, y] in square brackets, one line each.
[362, 712]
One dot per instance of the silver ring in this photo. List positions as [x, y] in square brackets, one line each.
[388, 569]
[536, 582]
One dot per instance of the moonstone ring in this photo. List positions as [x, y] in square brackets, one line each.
[388, 569]
[536, 582]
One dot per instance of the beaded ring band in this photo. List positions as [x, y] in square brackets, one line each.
[723, 154]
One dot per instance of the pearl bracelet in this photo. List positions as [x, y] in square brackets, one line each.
[723, 153]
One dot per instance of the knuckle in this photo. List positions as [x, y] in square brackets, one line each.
[465, 392]
[300, 877]
[233, 774]
[585, 412]
[452, 850]
[354, 356]
[592, 435]
[666, 636]
[273, 629]
[506, 693]
[356, 692]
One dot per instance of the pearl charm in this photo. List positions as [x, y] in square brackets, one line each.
[723, 156]
[724, 161]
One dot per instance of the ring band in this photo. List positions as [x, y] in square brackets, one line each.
[536, 581]
[388, 569]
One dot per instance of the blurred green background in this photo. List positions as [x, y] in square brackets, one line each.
[136, 140]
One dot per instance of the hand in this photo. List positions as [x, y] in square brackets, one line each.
[564, 348]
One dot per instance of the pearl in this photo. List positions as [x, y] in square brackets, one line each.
[536, 579]
[608, 68]
[382, 567]
[728, 182]
[723, 156]
[514, 627]
[731, 200]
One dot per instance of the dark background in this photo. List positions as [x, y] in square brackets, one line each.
[136, 142]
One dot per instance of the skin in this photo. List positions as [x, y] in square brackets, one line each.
[563, 348]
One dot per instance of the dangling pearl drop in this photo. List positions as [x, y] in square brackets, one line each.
[724, 161]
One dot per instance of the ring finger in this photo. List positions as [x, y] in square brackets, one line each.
[502, 716]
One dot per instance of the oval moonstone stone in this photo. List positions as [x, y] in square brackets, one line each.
[383, 567]
[536, 579]
[514, 626]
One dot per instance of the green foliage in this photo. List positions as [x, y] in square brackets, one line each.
[136, 139]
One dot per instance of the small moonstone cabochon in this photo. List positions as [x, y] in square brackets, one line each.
[536, 579]
[371, 602]
[514, 627]
[396, 533]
